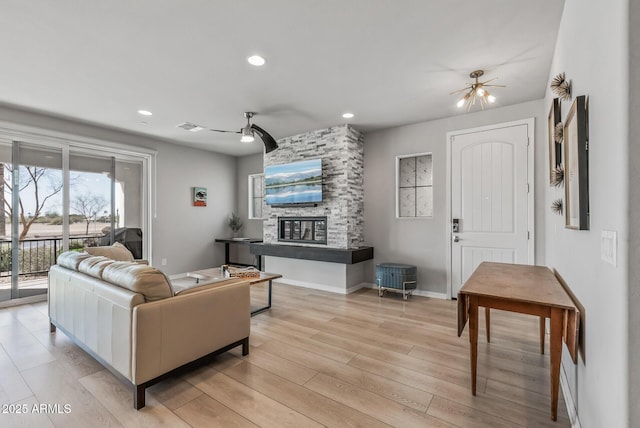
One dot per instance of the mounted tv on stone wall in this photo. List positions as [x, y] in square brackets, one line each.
[294, 183]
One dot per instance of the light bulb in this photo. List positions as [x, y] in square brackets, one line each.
[247, 135]
[480, 92]
[491, 99]
[460, 103]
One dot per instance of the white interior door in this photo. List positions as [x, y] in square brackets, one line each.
[489, 200]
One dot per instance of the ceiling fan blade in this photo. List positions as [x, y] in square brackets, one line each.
[221, 130]
[269, 143]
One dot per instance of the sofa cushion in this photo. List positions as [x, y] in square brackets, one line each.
[146, 280]
[94, 265]
[71, 259]
[117, 251]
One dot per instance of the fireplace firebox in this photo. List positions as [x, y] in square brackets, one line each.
[310, 230]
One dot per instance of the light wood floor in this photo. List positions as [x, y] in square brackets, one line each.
[316, 359]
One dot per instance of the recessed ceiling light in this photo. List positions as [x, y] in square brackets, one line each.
[348, 115]
[256, 60]
[145, 112]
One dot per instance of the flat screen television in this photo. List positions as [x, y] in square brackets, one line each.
[294, 183]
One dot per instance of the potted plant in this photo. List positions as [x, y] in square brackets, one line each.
[235, 223]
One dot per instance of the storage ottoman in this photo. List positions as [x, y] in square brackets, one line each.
[396, 277]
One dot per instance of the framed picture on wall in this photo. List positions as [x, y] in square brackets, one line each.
[555, 147]
[576, 166]
[199, 196]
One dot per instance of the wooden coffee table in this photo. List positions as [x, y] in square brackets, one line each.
[264, 277]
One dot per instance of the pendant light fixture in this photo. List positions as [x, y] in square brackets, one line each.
[476, 90]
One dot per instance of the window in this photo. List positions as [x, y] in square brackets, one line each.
[59, 196]
[256, 196]
[414, 190]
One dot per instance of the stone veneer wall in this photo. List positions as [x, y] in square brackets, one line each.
[342, 152]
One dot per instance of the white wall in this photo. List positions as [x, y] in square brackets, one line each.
[634, 213]
[248, 165]
[592, 49]
[422, 242]
[251, 164]
[182, 233]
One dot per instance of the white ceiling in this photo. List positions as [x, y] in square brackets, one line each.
[389, 62]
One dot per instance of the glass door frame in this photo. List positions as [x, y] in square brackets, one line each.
[66, 143]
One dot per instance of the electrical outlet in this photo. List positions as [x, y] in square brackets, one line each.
[608, 246]
[163, 262]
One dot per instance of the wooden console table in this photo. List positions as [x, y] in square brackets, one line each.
[241, 241]
[532, 290]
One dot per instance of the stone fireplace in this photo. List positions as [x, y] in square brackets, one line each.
[320, 245]
[342, 153]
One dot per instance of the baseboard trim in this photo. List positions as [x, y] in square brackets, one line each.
[24, 300]
[354, 288]
[321, 287]
[568, 399]
[423, 293]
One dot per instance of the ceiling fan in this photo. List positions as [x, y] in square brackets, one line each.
[247, 132]
[476, 90]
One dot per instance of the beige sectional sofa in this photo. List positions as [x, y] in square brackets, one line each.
[128, 317]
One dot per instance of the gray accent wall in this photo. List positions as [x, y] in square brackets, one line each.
[592, 49]
[422, 241]
[633, 280]
[248, 165]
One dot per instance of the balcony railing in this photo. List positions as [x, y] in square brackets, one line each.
[37, 255]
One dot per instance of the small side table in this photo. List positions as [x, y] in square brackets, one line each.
[240, 241]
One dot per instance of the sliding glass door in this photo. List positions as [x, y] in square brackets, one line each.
[62, 197]
[31, 225]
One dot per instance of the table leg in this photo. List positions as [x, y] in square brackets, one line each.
[473, 340]
[542, 331]
[226, 253]
[555, 349]
[264, 308]
[487, 321]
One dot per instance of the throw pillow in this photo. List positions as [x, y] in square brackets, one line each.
[117, 252]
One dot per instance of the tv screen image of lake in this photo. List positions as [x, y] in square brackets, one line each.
[294, 183]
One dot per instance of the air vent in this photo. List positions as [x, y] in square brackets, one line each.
[191, 127]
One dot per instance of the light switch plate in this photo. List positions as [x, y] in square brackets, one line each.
[608, 246]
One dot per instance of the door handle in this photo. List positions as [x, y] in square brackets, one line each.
[456, 238]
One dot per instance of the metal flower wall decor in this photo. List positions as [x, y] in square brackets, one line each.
[557, 176]
[561, 87]
[557, 206]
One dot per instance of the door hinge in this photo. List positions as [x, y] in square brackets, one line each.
[528, 235]
[528, 141]
[528, 188]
